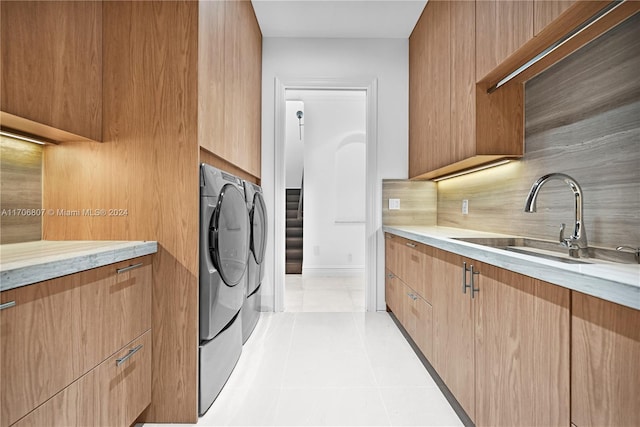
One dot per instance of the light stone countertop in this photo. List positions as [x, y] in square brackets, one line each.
[30, 262]
[618, 283]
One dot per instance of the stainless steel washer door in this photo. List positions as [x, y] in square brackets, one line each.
[229, 235]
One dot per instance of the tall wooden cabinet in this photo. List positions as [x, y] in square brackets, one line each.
[605, 373]
[51, 68]
[230, 72]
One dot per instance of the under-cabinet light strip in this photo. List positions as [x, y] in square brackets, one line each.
[586, 24]
[21, 137]
[465, 172]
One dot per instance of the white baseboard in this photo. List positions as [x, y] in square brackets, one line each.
[333, 271]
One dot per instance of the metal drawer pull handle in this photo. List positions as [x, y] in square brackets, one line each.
[128, 355]
[473, 282]
[464, 277]
[391, 276]
[411, 245]
[131, 267]
[7, 305]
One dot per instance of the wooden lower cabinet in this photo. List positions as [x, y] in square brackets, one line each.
[521, 350]
[392, 284]
[453, 329]
[605, 363]
[60, 329]
[418, 317]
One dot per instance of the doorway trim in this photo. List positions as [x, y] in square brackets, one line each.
[372, 198]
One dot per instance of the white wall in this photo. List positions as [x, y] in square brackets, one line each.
[386, 60]
[334, 180]
[294, 145]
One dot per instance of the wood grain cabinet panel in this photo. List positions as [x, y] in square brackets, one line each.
[52, 65]
[545, 11]
[123, 389]
[502, 26]
[418, 321]
[429, 90]
[391, 253]
[605, 373]
[453, 329]
[391, 293]
[522, 350]
[416, 268]
[37, 346]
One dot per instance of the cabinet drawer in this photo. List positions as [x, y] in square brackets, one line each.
[60, 329]
[112, 394]
[123, 384]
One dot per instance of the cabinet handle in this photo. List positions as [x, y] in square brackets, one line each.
[7, 305]
[391, 276]
[411, 245]
[131, 267]
[128, 355]
[473, 282]
[464, 277]
[412, 296]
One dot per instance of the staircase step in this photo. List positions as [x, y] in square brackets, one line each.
[293, 198]
[294, 232]
[293, 222]
[293, 242]
[293, 268]
[292, 214]
[292, 206]
[293, 254]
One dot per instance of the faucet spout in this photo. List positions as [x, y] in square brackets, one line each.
[577, 243]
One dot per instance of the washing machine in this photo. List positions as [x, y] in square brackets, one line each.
[255, 268]
[224, 252]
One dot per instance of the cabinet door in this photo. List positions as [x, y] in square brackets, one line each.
[463, 80]
[429, 90]
[243, 81]
[52, 64]
[545, 11]
[416, 261]
[123, 387]
[605, 373]
[502, 26]
[453, 329]
[522, 350]
[37, 346]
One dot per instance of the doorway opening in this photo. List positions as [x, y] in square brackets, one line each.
[325, 177]
[325, 160]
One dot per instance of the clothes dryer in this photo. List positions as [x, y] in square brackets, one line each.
[224, 251]
[255, 268]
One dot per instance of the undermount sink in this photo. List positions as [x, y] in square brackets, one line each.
[550, 250]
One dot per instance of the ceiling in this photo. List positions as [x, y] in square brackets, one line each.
[338, 18]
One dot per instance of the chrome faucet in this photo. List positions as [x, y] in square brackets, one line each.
[577, 242]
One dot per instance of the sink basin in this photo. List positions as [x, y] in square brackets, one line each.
[550, 250]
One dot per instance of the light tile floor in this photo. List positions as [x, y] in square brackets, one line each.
[323, 294]
[337, 369]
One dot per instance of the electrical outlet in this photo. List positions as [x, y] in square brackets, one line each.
[465, 207]
[394, 204]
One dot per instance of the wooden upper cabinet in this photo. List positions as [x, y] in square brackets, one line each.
[605, 373]
[429, 90]
[545, 11]
[52, 68]
[454, 124]
[230, 77]
[502, 26]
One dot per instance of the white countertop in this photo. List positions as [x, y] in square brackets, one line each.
[618, 283]
[30, 262]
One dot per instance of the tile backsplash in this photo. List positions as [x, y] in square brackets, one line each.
[20, 191]
[582, 118]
